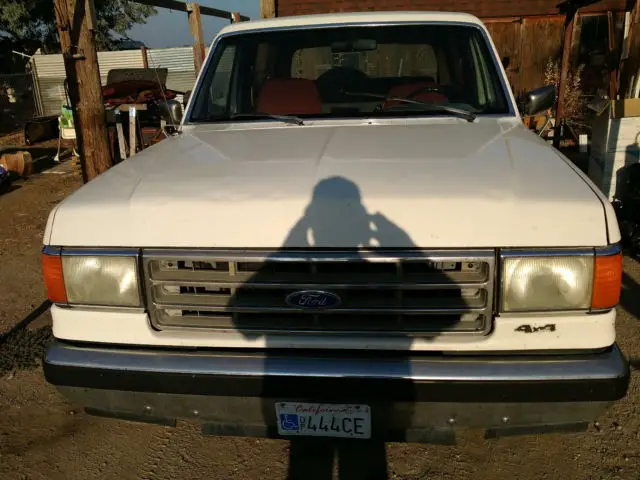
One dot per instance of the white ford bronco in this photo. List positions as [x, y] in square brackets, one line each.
[350, 233]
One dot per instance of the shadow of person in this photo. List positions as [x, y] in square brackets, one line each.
[336, 218]
[335, 225]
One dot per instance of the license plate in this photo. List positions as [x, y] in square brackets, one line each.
[323, 420]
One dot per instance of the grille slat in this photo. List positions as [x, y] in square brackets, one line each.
[408, 325]
[284, 278]
[382, 293]
[273, 300]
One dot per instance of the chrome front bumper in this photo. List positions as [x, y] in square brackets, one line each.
[413, 398]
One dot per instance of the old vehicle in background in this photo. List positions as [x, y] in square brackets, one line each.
[351, 235]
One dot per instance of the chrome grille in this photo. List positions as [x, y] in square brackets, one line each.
[424, 293]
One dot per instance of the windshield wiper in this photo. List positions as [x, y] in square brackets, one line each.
[466, 114]
[291, 119]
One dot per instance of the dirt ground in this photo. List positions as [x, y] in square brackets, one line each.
[44, 437]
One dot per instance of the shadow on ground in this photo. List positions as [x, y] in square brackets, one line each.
[22, 348]
[630, 295]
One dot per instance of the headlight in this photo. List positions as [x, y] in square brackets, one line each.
[101, 280]
[547, 283]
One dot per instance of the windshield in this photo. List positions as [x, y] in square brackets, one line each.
[351, 72]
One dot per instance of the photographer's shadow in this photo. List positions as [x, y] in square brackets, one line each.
[335, 220]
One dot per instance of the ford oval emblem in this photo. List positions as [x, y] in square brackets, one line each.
[313, 299]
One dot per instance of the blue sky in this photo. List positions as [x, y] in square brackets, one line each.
[171, 29]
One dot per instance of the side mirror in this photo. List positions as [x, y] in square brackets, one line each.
[540, 99]
[171, 111]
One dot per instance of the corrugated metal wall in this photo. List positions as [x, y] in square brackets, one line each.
[179, 62]
[119, 59]
[50, 71]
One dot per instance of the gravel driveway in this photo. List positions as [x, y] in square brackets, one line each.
[44, 437]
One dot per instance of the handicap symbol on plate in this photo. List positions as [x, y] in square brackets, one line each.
[289, 422]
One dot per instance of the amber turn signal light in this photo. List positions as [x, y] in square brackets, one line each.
[53, 279]
[607, 281]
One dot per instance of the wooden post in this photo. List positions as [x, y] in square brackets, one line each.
[575, 42]
[145, 56]
[133, 131]
[195, 25]
[75, 20]
[564, 74]
[613, 73]
[122, 146]
[267, 8]
[630, 53]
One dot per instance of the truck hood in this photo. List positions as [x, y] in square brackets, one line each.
[432, 183]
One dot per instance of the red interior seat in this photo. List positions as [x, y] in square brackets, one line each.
[406, 90]
[289, 96]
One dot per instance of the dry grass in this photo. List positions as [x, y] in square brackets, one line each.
[574, 106]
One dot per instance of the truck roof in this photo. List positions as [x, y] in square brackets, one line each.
[350, 18]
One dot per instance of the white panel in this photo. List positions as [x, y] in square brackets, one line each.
[572, 332]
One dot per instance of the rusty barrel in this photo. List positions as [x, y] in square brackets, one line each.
[19, 163]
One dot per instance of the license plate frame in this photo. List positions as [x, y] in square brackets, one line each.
[305, 419]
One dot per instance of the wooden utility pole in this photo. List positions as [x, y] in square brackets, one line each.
[195, 25]
[76, 23]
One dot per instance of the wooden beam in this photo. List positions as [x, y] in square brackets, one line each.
[267, 8]
[613, 72]
[195, 25]
[564, 74]
[145, 56]
[133, 131]
[501, 19]
[629, 60]
[184, 7]
[121, 142]
[575, 42]
[74, 21]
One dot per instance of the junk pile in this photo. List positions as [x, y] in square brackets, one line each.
[135, 92]
[132, 97]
